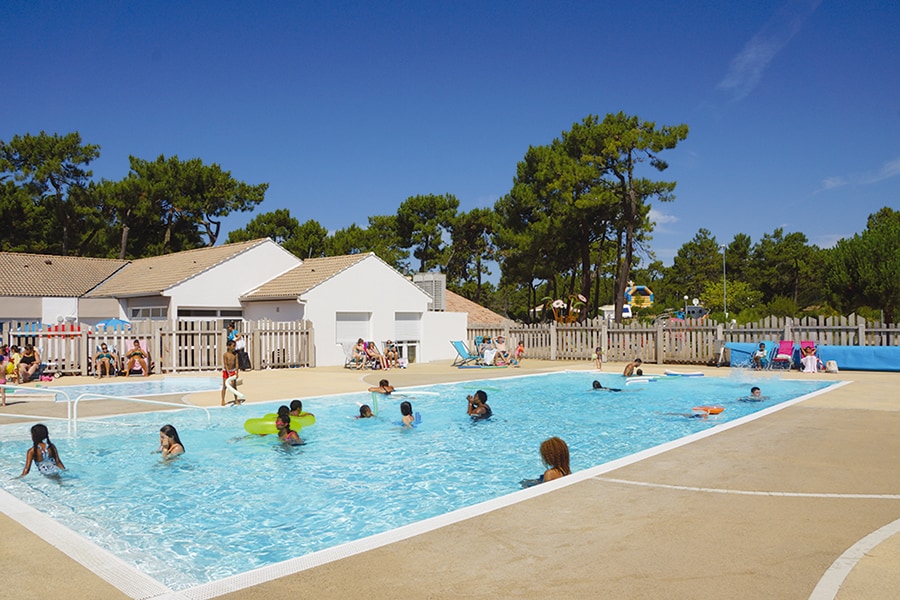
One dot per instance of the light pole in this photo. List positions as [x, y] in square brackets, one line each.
[724, 284]
[685, 306]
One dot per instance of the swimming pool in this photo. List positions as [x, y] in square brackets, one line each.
[133, 387]
[234, 502]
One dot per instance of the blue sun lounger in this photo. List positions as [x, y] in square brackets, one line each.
[465, 358]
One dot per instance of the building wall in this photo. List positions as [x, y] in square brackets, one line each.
[59, 310]
[221, 286]
[369, 286]
[18, 308]
[92, 310]
[440, 329]
[280, 310]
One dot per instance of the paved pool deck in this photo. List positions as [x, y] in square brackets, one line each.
[800, 503]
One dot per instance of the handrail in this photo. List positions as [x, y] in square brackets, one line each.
[43, 390]
[92, 396]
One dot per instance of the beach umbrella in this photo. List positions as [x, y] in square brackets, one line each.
[114, 324]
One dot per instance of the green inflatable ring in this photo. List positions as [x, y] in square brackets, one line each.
[266, 425]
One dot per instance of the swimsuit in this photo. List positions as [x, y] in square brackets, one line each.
[226, 373]
[27, 360]
[47, 466]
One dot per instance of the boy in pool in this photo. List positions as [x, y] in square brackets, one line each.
[755, 396]
[478, 407]
[630, 367]
[406, 410]
[598, 386]
[297, 409]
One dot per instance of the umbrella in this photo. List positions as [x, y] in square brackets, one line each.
[114, 324]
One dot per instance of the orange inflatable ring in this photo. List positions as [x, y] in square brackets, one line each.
[710, 410]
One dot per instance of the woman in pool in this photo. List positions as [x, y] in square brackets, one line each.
[384, 387]
[478, 407]
[169, 443]
[285, 433]
[42, 453]
[555, 454]
[406, 410]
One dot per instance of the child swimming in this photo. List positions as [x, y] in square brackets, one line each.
[43, 453]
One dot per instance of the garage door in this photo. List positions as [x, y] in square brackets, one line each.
[350, 326]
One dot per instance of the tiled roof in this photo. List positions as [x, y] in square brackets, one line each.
[477, 313]
[47, 275]
[304, 277]
[153, 275]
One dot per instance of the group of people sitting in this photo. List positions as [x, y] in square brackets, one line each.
[20, 364]
[365, 355]
[107, 363]
[493, 352]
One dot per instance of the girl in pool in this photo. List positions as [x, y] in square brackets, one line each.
[169, 443]
[406, 410]
[555, 454]
[384, 387]
[365, 412]
[285, 433]
[43, 453]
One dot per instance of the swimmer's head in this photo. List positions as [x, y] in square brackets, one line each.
[638, 361]
[283, 411]
[597, 385]
[481, 396]
[640, 371]
[283, 422]
[383, 383]
[365, 411]
[755, 391]
[296, 405]
[405, 408]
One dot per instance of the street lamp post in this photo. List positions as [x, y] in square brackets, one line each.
[724, 284]
[685, 306]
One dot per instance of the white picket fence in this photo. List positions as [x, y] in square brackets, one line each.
[680, 341]
[179, 346]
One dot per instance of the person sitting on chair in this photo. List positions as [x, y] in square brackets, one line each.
[136, 357]
[104, 362]
[29, 364]
[759, 357]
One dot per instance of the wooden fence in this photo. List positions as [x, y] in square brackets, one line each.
[173, 347]
[680, 341]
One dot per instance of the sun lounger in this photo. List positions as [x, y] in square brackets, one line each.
[783, 356]
[465, 358]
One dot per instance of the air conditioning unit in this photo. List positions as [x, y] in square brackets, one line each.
[435, 285]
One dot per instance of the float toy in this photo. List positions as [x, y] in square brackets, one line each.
[710, 410]
[266, 424]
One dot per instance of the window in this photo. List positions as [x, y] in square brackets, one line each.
[158, 312]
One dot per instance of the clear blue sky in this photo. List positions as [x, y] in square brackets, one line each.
[348, 108]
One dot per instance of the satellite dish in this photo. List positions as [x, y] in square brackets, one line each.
[60, 319]
[695, 302]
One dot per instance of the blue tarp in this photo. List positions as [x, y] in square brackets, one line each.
[850, 358]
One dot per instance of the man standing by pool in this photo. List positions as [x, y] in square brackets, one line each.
[230, 374]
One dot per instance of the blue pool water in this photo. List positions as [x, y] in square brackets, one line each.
[134, 387]
[235, 502]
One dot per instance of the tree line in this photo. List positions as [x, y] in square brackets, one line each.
[574, 228]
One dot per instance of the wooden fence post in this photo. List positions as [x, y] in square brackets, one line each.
[553, 340]
[660, 346]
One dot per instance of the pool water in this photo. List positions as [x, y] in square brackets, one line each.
[234, 502]
[134, 387]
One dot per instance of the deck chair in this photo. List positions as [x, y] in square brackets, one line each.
[465, 358]
[765, 362]
[783, 357]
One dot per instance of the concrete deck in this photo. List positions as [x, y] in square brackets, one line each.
[764, 510]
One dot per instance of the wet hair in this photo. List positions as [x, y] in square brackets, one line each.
[384, 383]
[284, 411]
[481, 396]
[639, 372]
[405, 408]
[365, 411]
[638, 361]
[555, 454]
[754, 389]
[296, 405]
[597, 385]
[40, 434]
[170, 431]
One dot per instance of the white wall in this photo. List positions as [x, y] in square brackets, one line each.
[221, 286]
[441, 328]
[370, 285]
[276, 310]
[53, 307]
